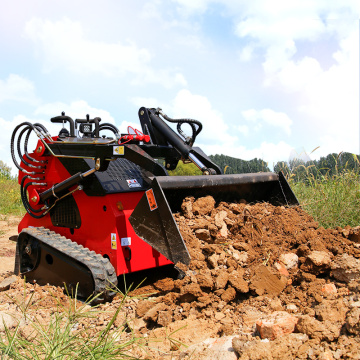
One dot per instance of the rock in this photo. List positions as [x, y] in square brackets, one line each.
[259, 349]
[275, 304]
[221, 279]
[264, 281]
[229, 294]
[166, 284]
[205, 280]
[211, 349]
[316, 262]
[237, 281]
[353, 321]
[187, 207]
[281, 269]
[290, 260]
[276, 324]
[143, 307]
[345, 268]
[203, 205]
[221, 224]
[213, 260]
[5, 284]
[190, 292]
[164, 318]
[329, 289]
[153, 313]
[285, 347]
[8, 320]
[203, 234]
[219, 219]
[240, 256]
[138, 324]
[250, 316]
[332, 310]
[354, 234]
[292, 308]
[316, 329]
[320, 258]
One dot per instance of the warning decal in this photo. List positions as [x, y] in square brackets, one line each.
[118, 150]
[151, 199]
[113, 241]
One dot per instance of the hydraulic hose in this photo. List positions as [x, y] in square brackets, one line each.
[12, 141]
[196, 126]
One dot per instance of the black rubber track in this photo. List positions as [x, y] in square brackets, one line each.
[103, 273]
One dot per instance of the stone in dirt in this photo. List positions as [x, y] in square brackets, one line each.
[329, 289]
[203, 234]
[317, 262]
[290, 260]
[203, 205]
[276, 324]
[166, 284]
[229, 294]
[345, 268]
[354, 234]
[5, 284]
[332, 310]
[221, 279]
[211, 349]
[353, 321]
[237, 281]
[265, 281]
[316, 329]
[8, 320]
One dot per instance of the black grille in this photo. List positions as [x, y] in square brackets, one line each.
[122, 169]
[66, 213]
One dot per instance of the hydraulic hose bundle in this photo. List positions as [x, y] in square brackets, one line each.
[36, 176]
[196, 126]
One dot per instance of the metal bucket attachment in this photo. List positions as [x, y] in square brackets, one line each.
[257, 187]
[152, 218]
[153, 222]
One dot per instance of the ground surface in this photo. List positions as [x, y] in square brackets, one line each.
[264, 282]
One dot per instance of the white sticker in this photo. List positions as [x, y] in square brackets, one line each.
[113, 241]
[133, 183]
[126, 241]
[118, 150]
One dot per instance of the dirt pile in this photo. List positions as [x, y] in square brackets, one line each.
[266, 279]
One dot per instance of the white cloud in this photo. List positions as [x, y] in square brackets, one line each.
[269, 152]
[246, 53]
[62, 44]
[270, 117]
[198, 107]
[17, 88]
[243, 129]
[187, 7]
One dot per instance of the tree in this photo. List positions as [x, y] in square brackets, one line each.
[5, 171]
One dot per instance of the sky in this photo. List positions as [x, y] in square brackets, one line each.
[267, 79]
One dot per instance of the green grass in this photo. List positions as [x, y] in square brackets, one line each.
[10, 202]
[60, 339]
[332, 200]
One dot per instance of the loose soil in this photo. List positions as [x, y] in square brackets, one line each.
[250, 264]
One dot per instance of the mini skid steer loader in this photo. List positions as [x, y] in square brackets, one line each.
[98, 206]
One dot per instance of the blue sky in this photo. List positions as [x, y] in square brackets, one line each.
[266, 79]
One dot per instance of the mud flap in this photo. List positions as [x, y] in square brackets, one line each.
[153, 222]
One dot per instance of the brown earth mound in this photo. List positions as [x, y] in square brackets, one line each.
[257, 272]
